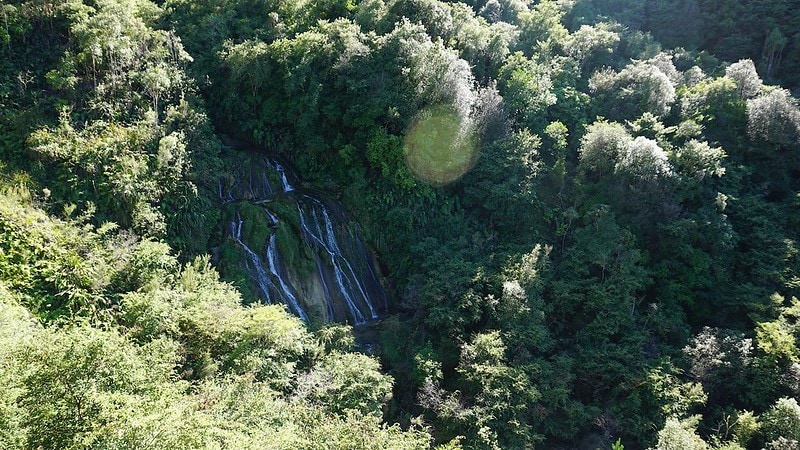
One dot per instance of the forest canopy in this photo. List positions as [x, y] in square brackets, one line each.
[585, 215]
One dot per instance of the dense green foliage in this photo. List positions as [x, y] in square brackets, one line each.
[159, 355]
[619, 264]
[762, 31]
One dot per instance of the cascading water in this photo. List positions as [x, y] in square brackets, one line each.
[323, 237]
[311, 259]
[262, 278]
[287, 187]
[278, 271]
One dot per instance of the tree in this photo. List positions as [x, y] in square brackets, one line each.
[596, 306]
[602, 146]
[775, 339]
[526, 88]
[746, 77]
[504, 179]
[17, 326]
[773, 50]
[115, 46]
[774, 117]
[680, 435]
[782, 421]
[484, 46]
[218, 335]
[156, 80]
[643, 159]
[698, 160]
[76, 382]
[592, 42]
[500, 395]
[715, 103]
[242, 61]
[344, 382]
[638, 88]
[720, 360]
[14, 24]
[541, 30]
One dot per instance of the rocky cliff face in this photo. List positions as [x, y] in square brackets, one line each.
[295, 246]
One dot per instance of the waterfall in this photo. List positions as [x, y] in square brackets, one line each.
[330, 311]
[341, 280]
[351, 286]
[276, 269]
[330, 275]
[266, 186]
[256, 268]
[348, 258]
[262, 278]
[287, 187]
[272, 217]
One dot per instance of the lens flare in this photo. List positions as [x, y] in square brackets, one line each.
[440, 146]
